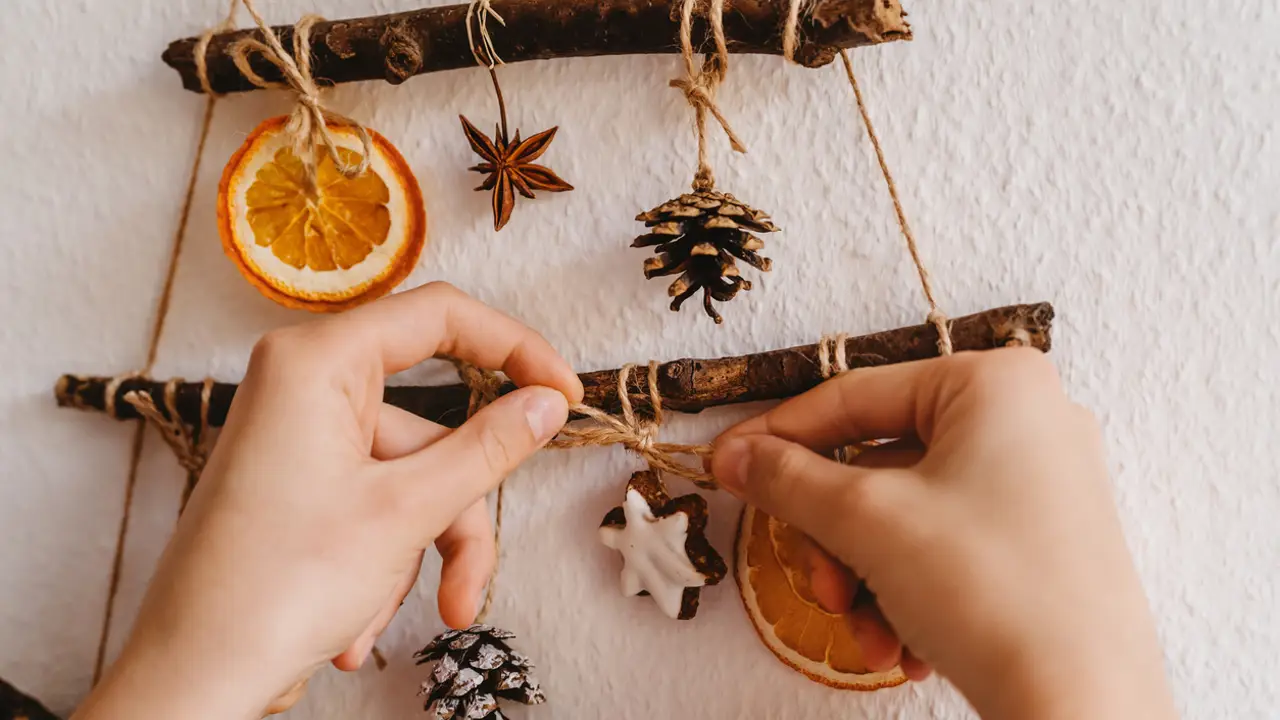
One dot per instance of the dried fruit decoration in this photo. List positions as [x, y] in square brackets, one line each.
[509, 162]
[474, 668]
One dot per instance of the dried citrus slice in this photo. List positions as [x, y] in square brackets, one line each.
[347, 241]
[780, 602]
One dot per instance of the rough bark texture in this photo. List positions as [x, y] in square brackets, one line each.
[399, 46]
[16, 706]
[687, 385]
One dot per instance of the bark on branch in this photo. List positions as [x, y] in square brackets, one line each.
[687, 385]
[399, 46]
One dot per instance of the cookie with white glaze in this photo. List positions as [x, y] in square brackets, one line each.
[664, 546]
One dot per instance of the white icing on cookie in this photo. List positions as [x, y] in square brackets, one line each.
[653, 554]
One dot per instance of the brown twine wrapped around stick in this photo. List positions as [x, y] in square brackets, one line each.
[309, 122]
[637, 434]
[699, 86]
[190, 445]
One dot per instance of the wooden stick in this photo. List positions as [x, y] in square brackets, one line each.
[14, 705]
[685, 385]
[397, 47]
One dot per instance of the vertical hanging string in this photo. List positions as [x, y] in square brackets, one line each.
[699, 86]
[790, 40]
[485, 386]
[157, 331]
[936, 317]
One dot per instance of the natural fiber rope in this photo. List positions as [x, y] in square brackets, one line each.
[482, 10]
[485, 386]
[937, 318]
[309, 122]
[699, 86]
[637, 434]
[190, 445]
[153, 343]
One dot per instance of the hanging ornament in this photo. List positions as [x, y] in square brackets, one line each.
[473, 669]
[316, 211]
[773, 579]
[508, 162]
[700, 236]
[664, 546]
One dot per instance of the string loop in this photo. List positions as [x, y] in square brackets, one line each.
[309, 122]
[482, 10]
[699, 86]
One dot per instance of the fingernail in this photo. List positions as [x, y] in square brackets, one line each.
[734, 464]
[545, 412]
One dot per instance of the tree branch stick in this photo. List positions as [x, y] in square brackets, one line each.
[685, 385]
[399, 46]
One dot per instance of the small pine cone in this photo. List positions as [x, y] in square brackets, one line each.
[701, 236]
[474, 668]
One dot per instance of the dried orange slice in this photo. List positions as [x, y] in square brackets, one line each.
[775, 590]
[348, 241]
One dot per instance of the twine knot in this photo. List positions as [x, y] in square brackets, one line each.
[699, 85]
[309, 122]
[191, 445]
[483, 10]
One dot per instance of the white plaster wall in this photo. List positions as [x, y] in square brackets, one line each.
[1118, 159]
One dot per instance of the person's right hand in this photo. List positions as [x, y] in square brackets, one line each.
[988, 534]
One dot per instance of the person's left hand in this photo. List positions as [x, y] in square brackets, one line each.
[309, 523]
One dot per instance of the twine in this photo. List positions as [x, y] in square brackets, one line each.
[482, 10]
[153, 343]
[190, 445]
[936, 316]
[309, 121]
[485, 386]
[699, 86]
[637, 434]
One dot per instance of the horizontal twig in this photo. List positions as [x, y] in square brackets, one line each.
[399, 46]
[687, 385]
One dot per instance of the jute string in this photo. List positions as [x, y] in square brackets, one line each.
[482, 10]
[936, 317]
[484, 386]
[699, 85]
[153, 342]
[309, 121]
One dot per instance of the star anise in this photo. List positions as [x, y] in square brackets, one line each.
[509, 163]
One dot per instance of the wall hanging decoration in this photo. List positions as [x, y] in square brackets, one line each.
[317, 193]
[700, 236]
[316, 211]
[508, 162]
[664, 547]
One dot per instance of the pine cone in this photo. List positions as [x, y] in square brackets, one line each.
[473, 669]
[699, 235]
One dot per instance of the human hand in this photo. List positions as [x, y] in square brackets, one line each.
[309, 523]
[987, 533]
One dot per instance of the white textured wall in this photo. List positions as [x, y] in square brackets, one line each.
[1118, 159]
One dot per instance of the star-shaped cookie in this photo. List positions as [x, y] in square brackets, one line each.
[664, 546]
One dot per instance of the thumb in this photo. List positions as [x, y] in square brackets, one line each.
[441, 481]
[844, 508]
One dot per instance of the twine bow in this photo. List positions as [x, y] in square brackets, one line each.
[309, 122]
[633, 431]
